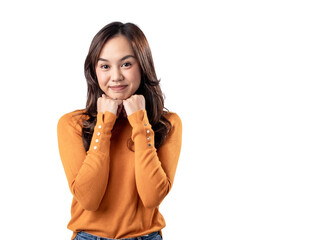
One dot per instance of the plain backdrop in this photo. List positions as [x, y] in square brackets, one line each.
[242, 75]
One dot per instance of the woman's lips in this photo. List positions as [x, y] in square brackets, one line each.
[118, 88]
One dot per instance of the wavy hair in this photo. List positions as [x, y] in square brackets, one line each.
[149, 86]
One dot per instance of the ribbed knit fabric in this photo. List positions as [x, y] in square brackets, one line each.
[116, 191]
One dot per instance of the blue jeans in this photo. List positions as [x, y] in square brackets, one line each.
[87, 236]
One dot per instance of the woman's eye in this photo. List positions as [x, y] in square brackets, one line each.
[104, 66]
[127, 64]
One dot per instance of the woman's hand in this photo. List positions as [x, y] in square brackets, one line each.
[134, 104]
[105, 103]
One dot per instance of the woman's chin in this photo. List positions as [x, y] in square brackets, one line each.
[120, 96]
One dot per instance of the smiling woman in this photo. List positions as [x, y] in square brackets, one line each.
[118, 70]
[120, 153]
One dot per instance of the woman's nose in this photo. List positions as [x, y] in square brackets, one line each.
[116, 75]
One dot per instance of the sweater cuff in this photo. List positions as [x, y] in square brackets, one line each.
[142, 133]
[102, 131]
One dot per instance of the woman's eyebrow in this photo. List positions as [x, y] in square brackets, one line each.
[122, 59]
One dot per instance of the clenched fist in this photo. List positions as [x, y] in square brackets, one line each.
[105, 103]
[134, 104]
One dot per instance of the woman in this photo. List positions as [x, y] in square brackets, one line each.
[121, 152]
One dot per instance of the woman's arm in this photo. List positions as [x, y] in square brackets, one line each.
[87, 172]
[154, 170]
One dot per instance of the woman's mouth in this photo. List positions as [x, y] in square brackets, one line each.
[118, 88]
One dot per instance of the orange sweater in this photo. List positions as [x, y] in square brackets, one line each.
[117, 192]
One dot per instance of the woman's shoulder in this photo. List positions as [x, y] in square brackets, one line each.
[74, 118]
[174, 118]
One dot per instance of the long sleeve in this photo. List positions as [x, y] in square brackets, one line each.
[154, 169]
[87, 172]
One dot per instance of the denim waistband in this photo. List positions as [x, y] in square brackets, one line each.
[88, 236]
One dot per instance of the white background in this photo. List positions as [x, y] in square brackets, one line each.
[242, 75]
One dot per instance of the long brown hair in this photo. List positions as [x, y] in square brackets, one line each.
[149, 86]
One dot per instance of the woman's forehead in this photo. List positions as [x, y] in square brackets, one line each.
[116, 48]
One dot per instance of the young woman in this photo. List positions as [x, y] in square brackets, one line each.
[121, 152]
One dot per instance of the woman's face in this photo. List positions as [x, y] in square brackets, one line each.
[118, 70]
